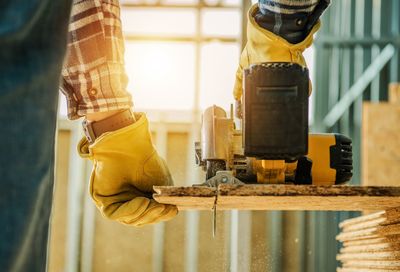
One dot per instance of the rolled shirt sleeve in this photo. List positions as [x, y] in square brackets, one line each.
[94, 78]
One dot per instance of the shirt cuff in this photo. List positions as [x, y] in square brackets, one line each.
[101, 89]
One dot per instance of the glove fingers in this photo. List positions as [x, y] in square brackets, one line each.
[156, 212]
[140, 211]
[125, 211]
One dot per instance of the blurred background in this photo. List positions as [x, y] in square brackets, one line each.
[181, 57]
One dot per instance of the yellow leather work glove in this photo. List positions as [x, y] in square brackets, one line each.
[126, 166]
[264, 46]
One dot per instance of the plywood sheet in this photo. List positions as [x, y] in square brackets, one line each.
[381, 144]
[394, 93]
[280, 197]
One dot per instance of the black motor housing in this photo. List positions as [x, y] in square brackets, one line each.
[275, 115]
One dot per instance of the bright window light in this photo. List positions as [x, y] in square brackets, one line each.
[181, 2]
[146, 21]
[221, 22]
[218, 68]
[161, 74]
[233, 2]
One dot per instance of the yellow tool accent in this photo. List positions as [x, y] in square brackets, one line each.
[126, 166]
[319, 152]
[270, 171]
[264, 46]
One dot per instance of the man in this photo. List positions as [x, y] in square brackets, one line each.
[126, 165]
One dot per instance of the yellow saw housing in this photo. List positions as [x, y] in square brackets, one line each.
[328, 161]
[269, 142]
[330, 158]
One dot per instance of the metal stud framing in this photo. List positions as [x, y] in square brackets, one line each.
[356, 58]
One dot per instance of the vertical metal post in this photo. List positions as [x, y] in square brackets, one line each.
[395, 32]
[327, 93]
[240, 241]
[359, 67]
[234, 250]
[275, 237]
[76, 182]
[88, 226]
[376, 31]
[159, 229]
[192, 217]
[240, 222]
[345, 62]
[192, 231]
[301, 240]
[310, 226]
[244, 241]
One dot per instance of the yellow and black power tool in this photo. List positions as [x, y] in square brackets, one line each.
[268, 140]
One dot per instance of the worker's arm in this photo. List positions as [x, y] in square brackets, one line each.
[279, 31]
[125, 162]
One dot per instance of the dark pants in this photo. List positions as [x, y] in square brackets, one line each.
[32, 46]
[292, 22]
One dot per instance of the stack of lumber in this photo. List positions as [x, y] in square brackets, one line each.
[371, 242]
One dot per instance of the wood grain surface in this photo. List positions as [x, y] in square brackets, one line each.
[281, 197]
[380, 144]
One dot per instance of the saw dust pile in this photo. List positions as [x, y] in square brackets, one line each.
[371, 242]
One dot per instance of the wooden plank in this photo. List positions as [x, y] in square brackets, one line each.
[280, 197]
[383, 218]
[363, 269]
[380, 256]
[372, 241]
[381, 144]
[186, 198]
[390, 216]
[371, 248]
[365, 225]
[362, 219]
[373, 264]
[379, 231]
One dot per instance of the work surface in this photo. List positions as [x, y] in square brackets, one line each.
[280, 197]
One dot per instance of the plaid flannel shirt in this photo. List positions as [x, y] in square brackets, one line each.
[94, 78]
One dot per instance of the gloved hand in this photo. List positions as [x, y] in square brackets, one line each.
[126, 166]
[264, 46]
